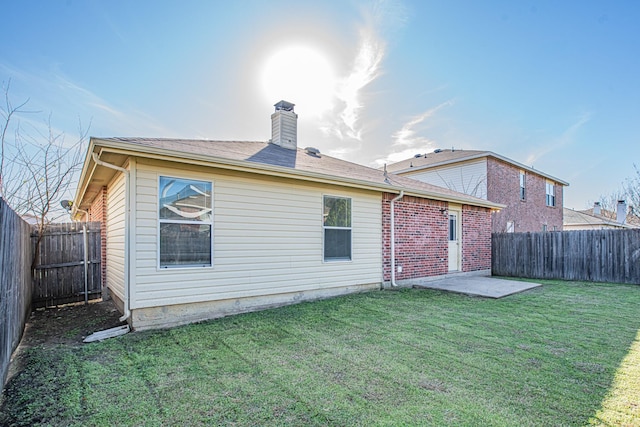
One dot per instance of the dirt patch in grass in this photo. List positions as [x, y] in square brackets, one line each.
[68, 324]
[57, 331]
[65, 325]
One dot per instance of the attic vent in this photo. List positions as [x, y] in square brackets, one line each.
[417, 155]
[312, 151]
[437, 150]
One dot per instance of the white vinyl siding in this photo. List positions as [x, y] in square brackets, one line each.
[115, 236]
[268, 240]
[468, 177]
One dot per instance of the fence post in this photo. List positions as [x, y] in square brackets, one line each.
[85, 244]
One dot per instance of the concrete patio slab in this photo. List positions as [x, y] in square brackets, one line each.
[483, 286]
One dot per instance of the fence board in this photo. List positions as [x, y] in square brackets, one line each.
[59, 270]
[591, 255]
[15, 283]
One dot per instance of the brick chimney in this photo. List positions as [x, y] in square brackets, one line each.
[284, 126]
[621, 216]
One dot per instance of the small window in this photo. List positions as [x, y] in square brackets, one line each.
[551, 194]
[523, 193]
[185, 223]
[453, 227]
[510, 227]
[336, 223]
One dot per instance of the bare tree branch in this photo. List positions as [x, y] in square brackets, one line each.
[39, 169]
[7, 112]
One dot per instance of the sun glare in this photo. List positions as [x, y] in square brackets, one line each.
[302, 75]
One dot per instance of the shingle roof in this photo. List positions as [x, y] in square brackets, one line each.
[263, 154]
[435, 158]
[443, 157]
[578, 218]
[608, 215]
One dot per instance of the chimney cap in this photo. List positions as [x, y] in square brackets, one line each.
[284, 105]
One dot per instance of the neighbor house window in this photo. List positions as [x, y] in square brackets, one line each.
[336, 221]
[185, 222]
[551, 194]
[510, 227]
[523, 193]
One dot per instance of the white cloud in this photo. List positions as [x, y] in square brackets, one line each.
[568, 136]
[381, 16]
[407, 141]
[366, 68]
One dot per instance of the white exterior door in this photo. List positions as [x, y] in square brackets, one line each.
[454, 240]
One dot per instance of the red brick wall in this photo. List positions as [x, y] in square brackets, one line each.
[503, 186]
[476, 238]
[98, 212]
[421, 236]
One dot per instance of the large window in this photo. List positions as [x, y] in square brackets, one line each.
[337, 228]
[523, 193]
[186, 222]
[551, 194]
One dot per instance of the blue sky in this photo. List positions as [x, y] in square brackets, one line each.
[553, 85]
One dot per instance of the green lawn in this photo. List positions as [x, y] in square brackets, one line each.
[564, 354]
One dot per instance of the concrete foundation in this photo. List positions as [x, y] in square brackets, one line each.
[182, 314]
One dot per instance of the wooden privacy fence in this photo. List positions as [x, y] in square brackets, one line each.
[15, 283]
[590, 255]
[59, 274]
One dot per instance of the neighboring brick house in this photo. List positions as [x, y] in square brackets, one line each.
[533, 199]
[199, 229]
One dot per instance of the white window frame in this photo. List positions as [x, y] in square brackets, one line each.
[550, 194]
[350, 228]
[523, 186]
[189, 222]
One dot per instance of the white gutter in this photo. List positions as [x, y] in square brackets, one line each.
[96, 158]
[393, 239]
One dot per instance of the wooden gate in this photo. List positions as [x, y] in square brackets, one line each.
[59, 274]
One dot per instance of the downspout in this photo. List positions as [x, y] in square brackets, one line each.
[96, 158]
[393, 239]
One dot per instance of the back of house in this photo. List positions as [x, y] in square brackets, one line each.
[199, 229]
